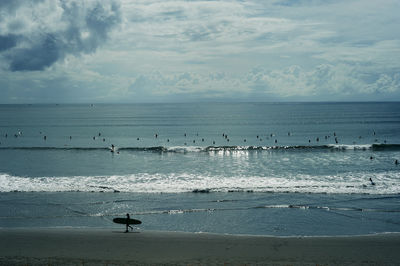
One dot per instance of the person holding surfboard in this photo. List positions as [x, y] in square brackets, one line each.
[127, 223]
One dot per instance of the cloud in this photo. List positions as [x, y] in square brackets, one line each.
[39, 33]
[7, 42]
[325, 82]
[152, 50]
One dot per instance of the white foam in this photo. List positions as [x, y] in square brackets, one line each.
[184, 149]
[350, 147]
[386, 183]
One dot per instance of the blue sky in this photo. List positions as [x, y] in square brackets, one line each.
[178, 51]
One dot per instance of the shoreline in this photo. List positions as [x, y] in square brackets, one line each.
[89, 246]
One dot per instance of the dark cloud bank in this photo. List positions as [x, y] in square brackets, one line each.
[85, 27]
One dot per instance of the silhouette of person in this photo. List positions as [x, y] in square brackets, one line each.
[127, 223]
[372, 182]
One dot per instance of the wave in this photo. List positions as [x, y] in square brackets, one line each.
[386, 183]
[337, 209]
[188, 149]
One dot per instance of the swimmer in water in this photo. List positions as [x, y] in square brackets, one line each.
[372, 182]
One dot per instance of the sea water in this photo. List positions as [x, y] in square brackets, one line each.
[237, 168]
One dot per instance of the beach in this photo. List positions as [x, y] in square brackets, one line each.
[82, 246]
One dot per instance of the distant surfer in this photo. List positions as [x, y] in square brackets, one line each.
[112, 148]
[372, 182]
[127, 223]
[396, 162]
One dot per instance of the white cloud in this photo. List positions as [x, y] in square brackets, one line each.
[172, 49]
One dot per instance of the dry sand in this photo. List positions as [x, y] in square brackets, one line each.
[111, 247]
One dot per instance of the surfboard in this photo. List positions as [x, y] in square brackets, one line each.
[126, 221]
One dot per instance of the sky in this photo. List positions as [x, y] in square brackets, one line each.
[112, 51]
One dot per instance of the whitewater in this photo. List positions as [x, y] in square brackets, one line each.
[251, 168]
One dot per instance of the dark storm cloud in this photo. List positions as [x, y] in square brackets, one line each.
[7, 42]
[84, 26]
[41, 54]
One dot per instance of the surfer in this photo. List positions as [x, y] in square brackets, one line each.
[112, 148]
[127, 223]
[396, 162]
[372, 182]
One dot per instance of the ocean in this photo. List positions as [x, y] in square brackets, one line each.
[279, 169]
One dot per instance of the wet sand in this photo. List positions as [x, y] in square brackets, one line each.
[112, 247]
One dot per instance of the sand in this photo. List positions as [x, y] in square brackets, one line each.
[112, 247]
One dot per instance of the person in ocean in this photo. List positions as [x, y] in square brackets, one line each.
[127, 223]
[372, 182]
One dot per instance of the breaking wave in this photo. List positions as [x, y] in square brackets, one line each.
[187, 149]
[355, 183]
